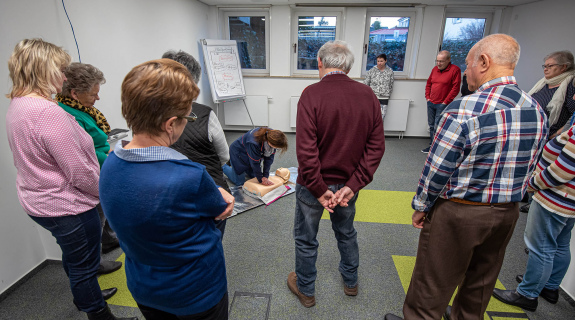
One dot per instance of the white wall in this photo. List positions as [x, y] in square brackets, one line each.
[541, 28]
[112, 35]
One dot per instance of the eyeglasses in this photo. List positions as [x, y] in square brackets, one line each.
[192, 117]
[548, 66]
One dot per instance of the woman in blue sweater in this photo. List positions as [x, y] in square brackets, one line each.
[249, 151]
[162, 205]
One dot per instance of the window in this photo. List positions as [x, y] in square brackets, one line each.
[460, 32]
[312, 31]
[390, 34]
[251, 32]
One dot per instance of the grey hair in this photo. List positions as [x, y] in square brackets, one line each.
[81, 77]
[188, 61]
[564, 58]
[336, 54]
[501, 48]
[446, 53]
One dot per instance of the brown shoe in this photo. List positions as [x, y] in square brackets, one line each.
[350, 291]
[292, 285]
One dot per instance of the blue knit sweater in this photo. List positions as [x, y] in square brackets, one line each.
[162, 207]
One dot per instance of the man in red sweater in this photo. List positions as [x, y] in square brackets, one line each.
[339, 144]
[442, 87]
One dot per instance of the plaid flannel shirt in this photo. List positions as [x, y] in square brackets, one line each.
[485, 147]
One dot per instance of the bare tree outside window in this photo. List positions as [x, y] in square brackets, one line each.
[388, 35]
[460, 34]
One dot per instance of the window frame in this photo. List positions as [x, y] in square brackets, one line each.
[466, 13]
[411, 34]
[338, 12]
[250, 12]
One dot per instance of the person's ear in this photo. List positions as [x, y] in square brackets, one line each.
[319, 63]
[170, 124]
[74, 94]
[484, 62]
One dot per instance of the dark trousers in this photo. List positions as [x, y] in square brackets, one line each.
[460, 245]
[79, 238]
[433, 116]
[217, 312]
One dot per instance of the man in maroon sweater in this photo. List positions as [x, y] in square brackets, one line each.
[442, 87]
[339, 144]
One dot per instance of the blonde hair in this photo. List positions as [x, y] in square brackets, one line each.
[155, 91]
[34, 67]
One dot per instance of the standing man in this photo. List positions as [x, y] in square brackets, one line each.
[485, 150]
[339, 145]
[380, 79]
[442, 87]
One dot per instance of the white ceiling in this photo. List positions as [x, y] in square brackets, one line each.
[367, 3]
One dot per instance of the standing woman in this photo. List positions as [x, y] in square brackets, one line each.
[248, 152]
[57, 170]
[78, 96]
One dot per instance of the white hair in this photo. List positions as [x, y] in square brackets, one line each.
[501, 48]
[336, 54]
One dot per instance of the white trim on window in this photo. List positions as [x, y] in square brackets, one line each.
[250, 12]
[312, 12]
[408, 63]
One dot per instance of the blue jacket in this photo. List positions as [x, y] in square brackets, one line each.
[163, 211]
[246, 155]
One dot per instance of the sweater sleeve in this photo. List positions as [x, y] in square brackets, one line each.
[562, 169]
[428, 86]
[374, 149]
[455, 86]
[209, 202]
[307, 150]
[367, 80]
[267, 165]
[255, 157]
[216, 135]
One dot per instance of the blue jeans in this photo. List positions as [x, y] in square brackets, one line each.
[237, 179]
[547, 235]
[308, 212]
[433, 115]
[79, 238]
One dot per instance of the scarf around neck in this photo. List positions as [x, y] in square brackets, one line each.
[554, 106]
[96, 114]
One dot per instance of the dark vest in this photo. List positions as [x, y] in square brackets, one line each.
[195, 144]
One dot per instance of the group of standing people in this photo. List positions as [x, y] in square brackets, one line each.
[175, 263]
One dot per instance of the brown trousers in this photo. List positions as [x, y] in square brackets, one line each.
[460, 245]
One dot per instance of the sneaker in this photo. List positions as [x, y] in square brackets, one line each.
[426, 150]
[350, 291]
[292, 285]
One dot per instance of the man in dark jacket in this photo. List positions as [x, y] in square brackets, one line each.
[339, 145]
[203, 140]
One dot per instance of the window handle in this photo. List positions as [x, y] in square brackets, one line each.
[365, 48]
[295, 48]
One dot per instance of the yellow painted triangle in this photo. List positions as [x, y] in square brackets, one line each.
[405, 265]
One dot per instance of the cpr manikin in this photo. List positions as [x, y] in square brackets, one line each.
[257, 190]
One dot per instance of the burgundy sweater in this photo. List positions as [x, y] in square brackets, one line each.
[339, 138]
[443, 85]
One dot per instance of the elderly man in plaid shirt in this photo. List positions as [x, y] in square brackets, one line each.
[483, 153]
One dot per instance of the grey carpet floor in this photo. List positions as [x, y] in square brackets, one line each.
[259, 251]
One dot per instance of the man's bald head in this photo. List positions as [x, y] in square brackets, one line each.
[501, 48]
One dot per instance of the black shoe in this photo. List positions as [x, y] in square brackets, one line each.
[109, 266]
[515, 299]
[106, 314]
[552, 296]
[426, 150]
[447, 314]
[108, 293]
[107, 247]
[391, 316]
[524, 208]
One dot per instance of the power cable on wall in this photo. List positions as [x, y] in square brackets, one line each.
[73, 33]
